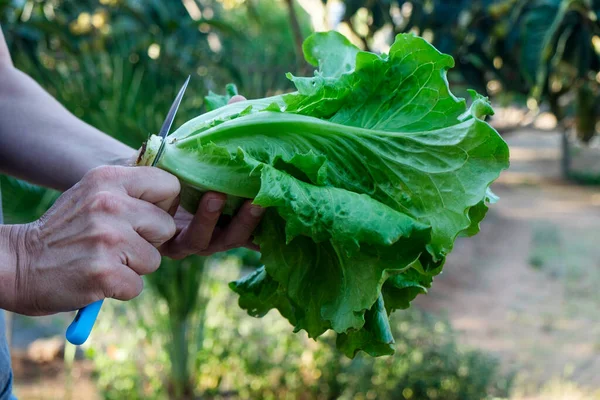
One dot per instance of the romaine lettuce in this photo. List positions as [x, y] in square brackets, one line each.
[369, 172]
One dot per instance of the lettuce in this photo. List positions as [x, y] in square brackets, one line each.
[369, 171]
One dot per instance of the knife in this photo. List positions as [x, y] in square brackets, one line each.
[81, 327]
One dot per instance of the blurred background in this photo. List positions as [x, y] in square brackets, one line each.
[515, 314]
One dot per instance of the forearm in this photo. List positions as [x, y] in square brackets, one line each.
[9, 238]
[42, 142]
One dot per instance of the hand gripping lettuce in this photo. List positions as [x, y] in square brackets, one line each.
[369, 172]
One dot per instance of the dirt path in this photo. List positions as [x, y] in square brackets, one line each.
[527, 288]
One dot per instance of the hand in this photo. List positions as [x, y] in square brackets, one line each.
[96, 241]
[199, 233]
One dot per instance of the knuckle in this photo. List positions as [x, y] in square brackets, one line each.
[165, 228]
[101, 274]
[169, 183]
[210, 250]
[160, 232]
[246, 225]
[103, 173]
[110, 238]
[196, 246]
[105, 202]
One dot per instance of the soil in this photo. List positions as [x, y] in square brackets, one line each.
[526, 287]
[46, 381]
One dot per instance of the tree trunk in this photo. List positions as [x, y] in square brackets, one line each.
[585, 116]
[297, 34]
[566, 154]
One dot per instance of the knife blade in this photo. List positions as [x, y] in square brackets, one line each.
[166, 126]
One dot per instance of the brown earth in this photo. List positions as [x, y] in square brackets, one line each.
[527, 288]
[48, 380]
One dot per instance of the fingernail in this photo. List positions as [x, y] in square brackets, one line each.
[256, 211]
[214, 205]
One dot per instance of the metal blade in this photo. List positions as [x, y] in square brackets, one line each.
[164, 130]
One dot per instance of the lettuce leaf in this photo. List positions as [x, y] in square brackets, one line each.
[369, 172]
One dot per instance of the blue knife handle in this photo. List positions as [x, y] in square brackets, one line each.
[81, 327]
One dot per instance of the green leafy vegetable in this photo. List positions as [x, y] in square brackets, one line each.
[214, 101]
[369, 173]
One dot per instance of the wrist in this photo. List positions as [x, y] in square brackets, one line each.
[12, 263]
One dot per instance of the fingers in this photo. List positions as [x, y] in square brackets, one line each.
[149, 199]
[125, 285]
[140, 256]
[202, 236]
[235, 99]
[124, 280]
[196, 236]
[153, 185]
[145, 183]
[149, 221]
[239, 231]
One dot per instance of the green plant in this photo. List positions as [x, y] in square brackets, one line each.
[472, 31]
[370, 171]
[108, 79]
[23, 202]
[246, 358]
[129, 349]
[268, 51]
[559, 57]
[545, 52]
[117, 65]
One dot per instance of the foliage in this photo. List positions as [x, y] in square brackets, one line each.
[379, 169]
[267, 51]
[256, 358]
[23, 202]
[560, 58]
[117, 65]
[547, 49]
[95, 57]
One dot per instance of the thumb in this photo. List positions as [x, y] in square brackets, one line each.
[235, 99]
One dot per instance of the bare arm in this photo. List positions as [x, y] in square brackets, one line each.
[99, 216]
[40, 140]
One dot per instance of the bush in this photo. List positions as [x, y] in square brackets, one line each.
[242, 357]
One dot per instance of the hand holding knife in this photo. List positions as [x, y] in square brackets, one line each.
[81, 327]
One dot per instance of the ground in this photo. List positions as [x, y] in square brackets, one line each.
[525, 289]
